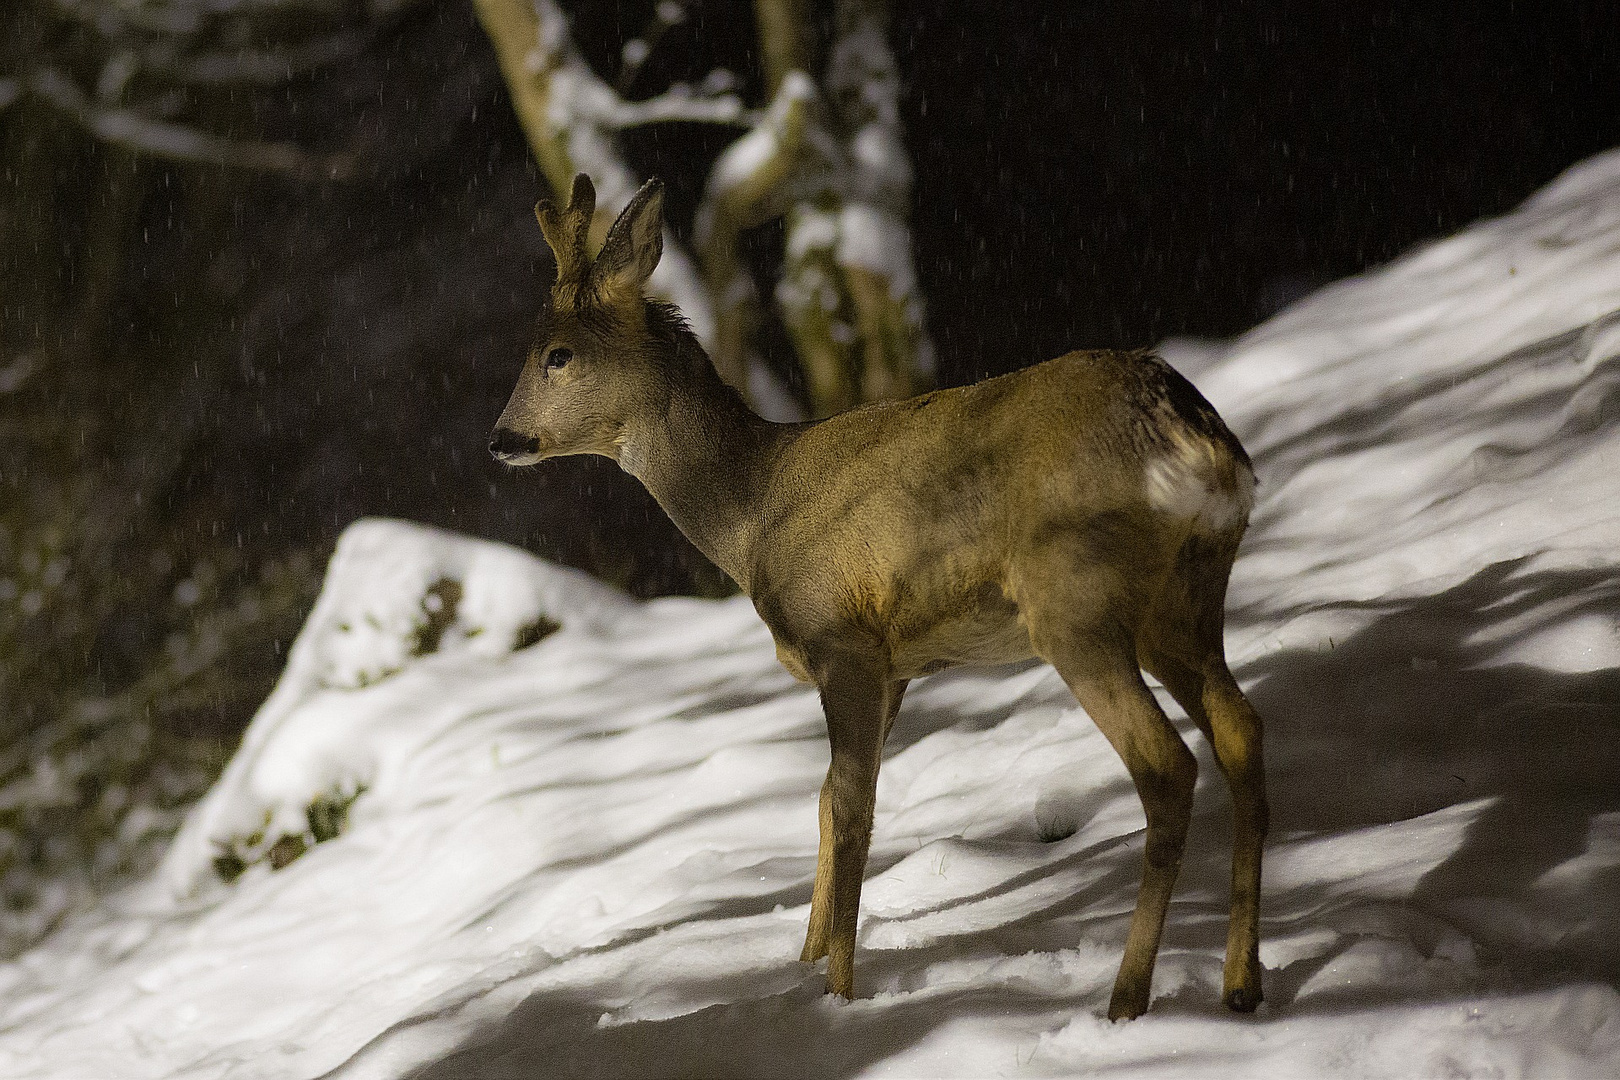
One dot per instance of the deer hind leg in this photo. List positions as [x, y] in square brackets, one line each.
[1099, 665]
[1237, 742]
[1214, 702]
[860, 706]
[1183, 649]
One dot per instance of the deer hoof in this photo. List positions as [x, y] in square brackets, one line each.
[1125, 1005]
[841, 981]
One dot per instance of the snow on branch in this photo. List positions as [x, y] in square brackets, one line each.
[678, 104]
[747, 186]
[874, 244]
[666, 14]
[831, 160]
[570, 116]
[848, 289]
[171, 49]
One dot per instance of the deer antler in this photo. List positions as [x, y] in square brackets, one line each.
[566, 230]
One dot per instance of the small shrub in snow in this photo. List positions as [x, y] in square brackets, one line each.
[439, 606]
[328, 816]
[532, 633]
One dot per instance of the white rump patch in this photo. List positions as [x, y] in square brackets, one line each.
[1192, 482]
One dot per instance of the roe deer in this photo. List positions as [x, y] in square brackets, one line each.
[1086, 511]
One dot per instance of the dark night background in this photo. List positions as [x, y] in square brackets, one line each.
[277, 357]
[1101, 176]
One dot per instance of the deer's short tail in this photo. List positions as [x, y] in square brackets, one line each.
[1200, 480]
[1194, 468]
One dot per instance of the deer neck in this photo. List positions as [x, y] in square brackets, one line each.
[708, 460]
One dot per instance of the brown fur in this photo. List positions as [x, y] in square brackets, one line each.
[1085, 510]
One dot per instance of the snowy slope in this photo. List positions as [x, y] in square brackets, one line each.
[592, 855]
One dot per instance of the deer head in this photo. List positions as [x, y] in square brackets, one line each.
[594, 370]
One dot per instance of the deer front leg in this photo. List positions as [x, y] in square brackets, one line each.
[858, 703]
[815, 940]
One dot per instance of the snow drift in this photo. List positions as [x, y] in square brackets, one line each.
[498, 821]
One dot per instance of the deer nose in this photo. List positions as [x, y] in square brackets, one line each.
[506, 444]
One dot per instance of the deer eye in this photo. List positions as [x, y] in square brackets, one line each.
[556, 358]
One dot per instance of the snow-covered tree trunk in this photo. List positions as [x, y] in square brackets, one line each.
[849, 290]
[827, 156]
[570, 114]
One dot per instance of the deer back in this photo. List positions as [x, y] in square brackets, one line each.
[899, 518]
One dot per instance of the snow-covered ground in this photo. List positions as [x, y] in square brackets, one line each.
[592, 855]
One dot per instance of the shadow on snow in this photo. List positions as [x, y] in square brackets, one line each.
[1357, 736]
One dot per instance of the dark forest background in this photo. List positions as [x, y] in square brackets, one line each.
[207, 371]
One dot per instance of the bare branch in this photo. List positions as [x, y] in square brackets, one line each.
[666, 13]
[204, 42]
[255, 67]
[786, 38]
[115, 75]
[177, 142]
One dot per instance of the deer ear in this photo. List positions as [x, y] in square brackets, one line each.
[565, 230]
[634, 244]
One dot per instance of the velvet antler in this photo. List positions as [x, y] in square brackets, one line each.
[566, 230]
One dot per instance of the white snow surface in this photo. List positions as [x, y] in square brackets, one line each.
[592, 856]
